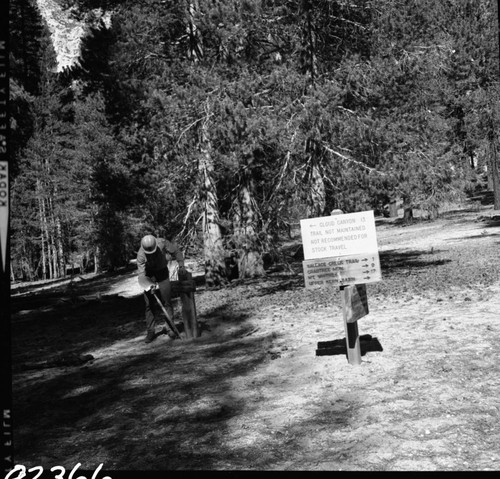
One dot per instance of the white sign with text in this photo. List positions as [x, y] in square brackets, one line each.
[339, 235]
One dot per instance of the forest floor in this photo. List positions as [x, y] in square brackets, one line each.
[251, 393]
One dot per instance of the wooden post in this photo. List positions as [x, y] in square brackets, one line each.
[393, 209]
[186, 293]
[351, 327]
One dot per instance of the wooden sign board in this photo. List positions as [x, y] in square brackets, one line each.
[342, 271]
[355, 302]
[338, 235]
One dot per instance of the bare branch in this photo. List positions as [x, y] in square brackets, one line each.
[356, 24]
[187, 128]
[352, 160]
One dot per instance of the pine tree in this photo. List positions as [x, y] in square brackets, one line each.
[28, 39]
[249, 115]
[36, 221]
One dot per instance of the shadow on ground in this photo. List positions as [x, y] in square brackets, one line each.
[74, 328]
[492, 222]
[392, 261]
[164, 405]
[40, 294]
[139, 410]
[145, 400]
[475, 237]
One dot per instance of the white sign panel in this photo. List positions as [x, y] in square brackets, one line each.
[342, 271]
[339, 235]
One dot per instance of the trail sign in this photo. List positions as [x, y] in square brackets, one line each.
[341, 250]
[339, 235]
[342, 270]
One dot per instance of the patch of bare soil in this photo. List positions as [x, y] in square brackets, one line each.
[251, 393]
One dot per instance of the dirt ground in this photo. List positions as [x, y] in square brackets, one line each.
[251, 393]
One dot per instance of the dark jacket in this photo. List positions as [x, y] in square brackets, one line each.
[153, 268]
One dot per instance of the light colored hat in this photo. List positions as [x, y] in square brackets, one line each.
[149, 244]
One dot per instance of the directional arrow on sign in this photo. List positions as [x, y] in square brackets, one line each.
[341, 271]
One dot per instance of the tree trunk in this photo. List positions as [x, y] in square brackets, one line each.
[316, 196]
[43, 231]
[489, 177]
[250, 262]
[60, 249]
[55, 269]
[195, 45]
[493, 162]
[213, 249]
[494, 173]
[97, 265]
[28, 271]
[393, 209]
[408, 213]
[309, 37]
[42, 245]
[58, 244]
[52, 231]
[433, 212]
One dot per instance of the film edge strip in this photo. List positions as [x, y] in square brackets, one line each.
[7, 425]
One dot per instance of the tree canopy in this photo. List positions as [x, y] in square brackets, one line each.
[221, 122]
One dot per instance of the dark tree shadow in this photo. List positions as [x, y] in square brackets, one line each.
[401, 222]
[475, 237]
[158, 392]
[393, 260]
[493, 222]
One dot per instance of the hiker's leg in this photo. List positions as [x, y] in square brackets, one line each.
[149, 315]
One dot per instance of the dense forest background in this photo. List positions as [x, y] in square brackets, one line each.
[221, 122]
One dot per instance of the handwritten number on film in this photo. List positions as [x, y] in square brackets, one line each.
[59, 472]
